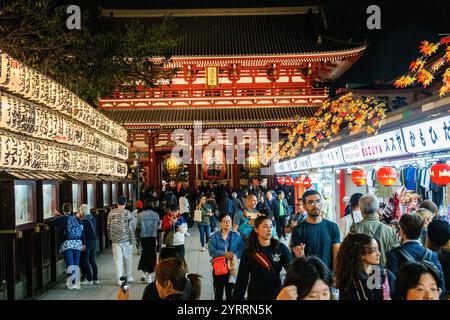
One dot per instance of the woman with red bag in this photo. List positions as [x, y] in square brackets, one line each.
[261, 264]
[225, 247]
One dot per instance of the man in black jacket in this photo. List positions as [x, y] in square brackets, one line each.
[411, 248]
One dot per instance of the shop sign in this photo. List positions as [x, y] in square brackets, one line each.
[300, 163]
[332, 157]
[389, 144]
[316, 160]
[428, 136]
[278, 167]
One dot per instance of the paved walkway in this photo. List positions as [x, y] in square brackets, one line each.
[198, 262]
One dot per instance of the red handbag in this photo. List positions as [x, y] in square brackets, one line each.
[220, 266]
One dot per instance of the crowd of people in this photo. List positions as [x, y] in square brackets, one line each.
[252, 235]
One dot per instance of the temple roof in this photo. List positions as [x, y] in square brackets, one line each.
[211, 116]
[246, 31]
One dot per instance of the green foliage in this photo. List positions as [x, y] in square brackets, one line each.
[106, 54]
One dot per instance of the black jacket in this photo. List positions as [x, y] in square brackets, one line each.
[359, 290]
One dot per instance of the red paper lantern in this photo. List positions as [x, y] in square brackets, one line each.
[307, 183]
[387, 176]
[213, 164]
[297, 182]
[289, 181]
[359, 177]
[440, 173]
[281, 180]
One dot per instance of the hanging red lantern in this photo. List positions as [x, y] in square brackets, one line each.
[297, 182]
[281, 180]
[213, 164]
[387, 176]
[359, 177]
[307, 183]
[440, 173]
[289, 181]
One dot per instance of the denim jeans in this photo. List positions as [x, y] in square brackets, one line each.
[72, 259]
[89, 269]
[205, 230]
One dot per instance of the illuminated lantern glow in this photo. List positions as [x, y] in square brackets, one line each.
[387, 176]
[289, 181]
[213, 164]
[440, 173]
[359, 177]
[281, 180]
[307, 183]
[297, 182]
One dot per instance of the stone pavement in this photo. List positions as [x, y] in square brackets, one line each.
[198, 262]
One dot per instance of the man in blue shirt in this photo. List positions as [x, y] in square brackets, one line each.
[316, 236]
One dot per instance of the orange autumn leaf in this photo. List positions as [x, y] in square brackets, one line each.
[425, 77]
[370, 130]
[437, 65]
[404, 81]
[427, 48]
[443, 90]
[447, 54]
[445, 41]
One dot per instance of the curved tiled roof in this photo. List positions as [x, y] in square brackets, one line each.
[252, 31]
[253, 35]
[221, 115]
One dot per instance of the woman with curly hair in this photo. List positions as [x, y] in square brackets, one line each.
[358, 273]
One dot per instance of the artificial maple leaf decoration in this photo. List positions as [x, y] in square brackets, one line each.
[437, 65]
[425, 77]
[447, 54]
[404, 81]
[445, 41]
[427, 48]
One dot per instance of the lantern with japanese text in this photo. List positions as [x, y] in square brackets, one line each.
[281, 180]
[289, 181]
[359, 177]
[298, 182]
[387, 176]
[307, 183]
[440, 173]
[213, 164]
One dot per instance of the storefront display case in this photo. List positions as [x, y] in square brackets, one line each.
[114, 188]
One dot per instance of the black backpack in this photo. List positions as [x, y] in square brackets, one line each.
[427, 256]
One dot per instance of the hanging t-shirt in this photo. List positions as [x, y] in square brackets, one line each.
[318, 239]
[411, 178]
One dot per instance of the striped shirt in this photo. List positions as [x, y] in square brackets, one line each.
[121, 226]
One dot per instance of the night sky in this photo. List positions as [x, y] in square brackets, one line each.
[404, 24]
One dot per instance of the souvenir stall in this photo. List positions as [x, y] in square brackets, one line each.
[52, 146]
[413, 158]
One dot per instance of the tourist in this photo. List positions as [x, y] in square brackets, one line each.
[353, 217]
[418, 281]
[88, 265]
[205, 225]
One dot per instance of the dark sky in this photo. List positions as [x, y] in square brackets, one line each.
[404, 24]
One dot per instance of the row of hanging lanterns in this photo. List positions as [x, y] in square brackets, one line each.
[297, 182]
[386, 176]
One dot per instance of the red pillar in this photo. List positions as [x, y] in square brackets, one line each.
[152, 164]
[342, 191]
[192, 167]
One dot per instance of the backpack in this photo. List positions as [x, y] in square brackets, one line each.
[427, 256]
[74, 228]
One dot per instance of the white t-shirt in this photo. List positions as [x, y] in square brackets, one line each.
[347, 221]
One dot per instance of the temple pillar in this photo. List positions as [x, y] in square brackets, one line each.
[152, 164]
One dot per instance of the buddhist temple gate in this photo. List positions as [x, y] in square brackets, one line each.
[240, 68]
